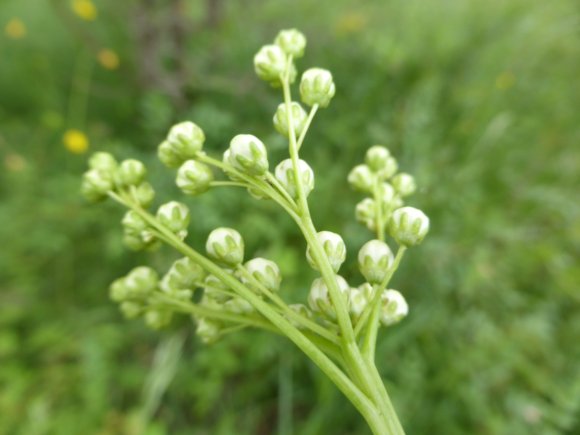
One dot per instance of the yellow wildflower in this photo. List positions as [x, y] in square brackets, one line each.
[505, 80]
[108, 59]
[15, 29]
[75, 141]
[84, 9]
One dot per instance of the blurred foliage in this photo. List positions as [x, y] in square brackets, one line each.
[477, 99]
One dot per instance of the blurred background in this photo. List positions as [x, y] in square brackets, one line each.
[478, 100]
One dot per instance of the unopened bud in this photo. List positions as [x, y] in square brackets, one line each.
[96, 184]
[141, 281]
[358, 302]
[238, 306]
[361, 178]
[300, 309]
[393, 307]
[131, 172]
[144, 194]
[103, 162]
[184, 141]
[135, 226]
[377, 157]
[131, 310]
[317, 87]
[285, 175]
[175, 216]
[157, 318]
[214, 289]
[409, 226]
[207, 330]
[389, 169]
[292, 42]
[194, 178]
[374, 261]
[266, 272]
[404, 184]
[248, 154]
[365, 213]
[226, 246]
[299, 117]
[270, 63]
[319, 298]
[184, 274]
[334, 248]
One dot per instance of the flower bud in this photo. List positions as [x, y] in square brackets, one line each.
[365, 213]
[389, 169]
[238, 306]
[317, 87]
[248, 154]
[186, 139]
[134, 224]
[144, 194]
[157, 319]
[270, 63]
[409, 226]
[299, 117]
[184, 274]
[376, 157]
[103, 162]
[361, 178]
[141, 281]
[214, 289]
[367, 290]
[131, 172]
[300, 309]
[96, 184]
[266, 272]
[334, 248]
[358, 302]
[225, 246]
[118, 291]
[374, 261]
[207, 330]
[387, 194]
[393, 307]
[131, 310]
[168, 156]
[404, 184]
[175, 216]
[285, 175]
[319, 298]
[193, 177]
[292, 42]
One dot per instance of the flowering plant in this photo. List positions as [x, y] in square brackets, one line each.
[337, 326]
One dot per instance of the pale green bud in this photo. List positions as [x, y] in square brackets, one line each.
[393, 307]
[256, 193]
[186, 139]
[404, 184]
[300, 309]
[248, 154]
[365, 213]
[386, 192]
[175, 216]
[118, 291]
[367, 290]
[214, 289]
[334, 248]
[292, 41]
[103, 162]
[168, 156]
[389, 169]
[157, 319]
[270, 63]
[317, 87]
[225, 246]
[144, 194]
[285, 175]
[266, 272]
[238, 306]
[135, 242]
[96, 184]
[131, 310]
[141, 281]
[194, 178]
[409, 226]
[131, 172]
[133, 223]
[299, 117]
[361, 178]
[137, 235]
[374, 261]
[319, 297]
[184, 274]
[377, 157]
[358, 302]
[207, 330]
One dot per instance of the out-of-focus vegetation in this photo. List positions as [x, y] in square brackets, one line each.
[479, 100]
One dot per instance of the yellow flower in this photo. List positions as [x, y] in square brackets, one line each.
[505, 80]
[84, 9]
[15, 29]
[75, 141]
[108, 59]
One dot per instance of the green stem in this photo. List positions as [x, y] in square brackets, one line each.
[313, 111]
[379, 211]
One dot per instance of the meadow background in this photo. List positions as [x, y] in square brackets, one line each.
[479, 100]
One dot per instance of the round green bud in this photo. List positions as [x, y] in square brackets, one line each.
[238, 306]
[376, 157]
[183, 274]
[367, 290]
[103, 162]
[118, 291]
[361, 178]
[374, 261]
[386, 193]
[144, 194]
[266, 272]
[334, 248]
[133, 223]
[186, 139]
[214, 289]
[141, 281]
[299, 117]
[319, 297]
[285, 175]
[365, 213]
[225, 246]
[393, 307]
[248, 154]
[175, 216]
[131, 310]
[292, 41]
[137, 235]
[317, 87]
[207, 330]
[194, 178]
[358, 302]
[168, 156]
[157, 319]
[389, 169]
[404, 184]
[270, 63]
[96, 184]
[409, 226]
[131, 172]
